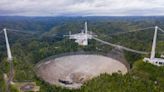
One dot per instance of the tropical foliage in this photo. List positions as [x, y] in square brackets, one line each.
[29, 49]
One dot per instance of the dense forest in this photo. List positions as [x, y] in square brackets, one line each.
[40, 37]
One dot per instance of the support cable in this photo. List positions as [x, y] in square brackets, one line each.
[121, 47]
[133, 31]
[1, 31]
[25, 32]
[160, 29]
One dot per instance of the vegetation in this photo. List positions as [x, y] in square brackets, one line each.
[29, 49]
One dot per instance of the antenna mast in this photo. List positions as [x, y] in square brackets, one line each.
[7, 46]
[154, 43]
[86, 28]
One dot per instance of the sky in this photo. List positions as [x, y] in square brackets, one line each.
[81, 7]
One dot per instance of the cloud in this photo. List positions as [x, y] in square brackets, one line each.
[81, 7]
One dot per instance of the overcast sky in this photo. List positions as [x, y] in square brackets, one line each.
[82, 7]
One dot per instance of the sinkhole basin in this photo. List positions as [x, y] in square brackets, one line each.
[72, 71]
